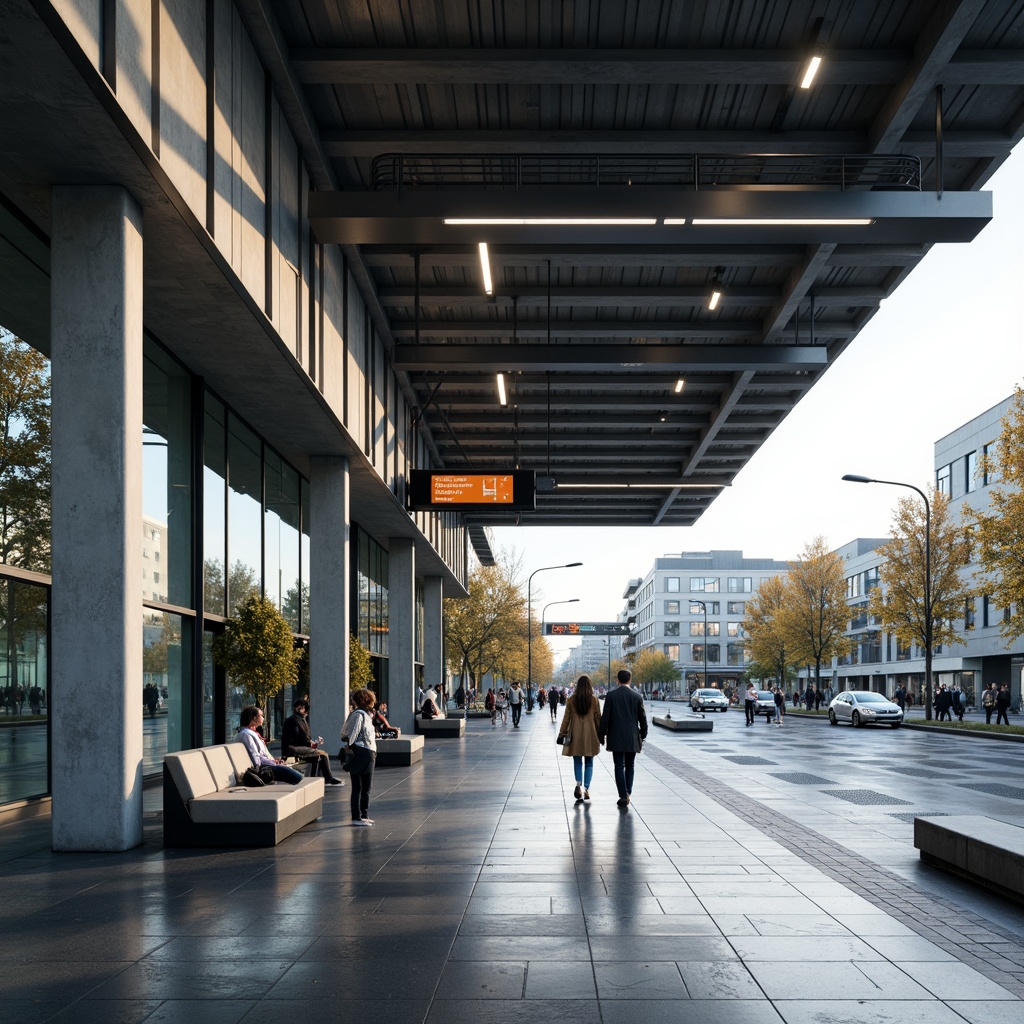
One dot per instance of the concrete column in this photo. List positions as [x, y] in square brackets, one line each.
[401, 633]
[96, 630]
[329, 490]
[433, 631]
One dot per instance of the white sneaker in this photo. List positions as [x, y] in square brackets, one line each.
[363, 822]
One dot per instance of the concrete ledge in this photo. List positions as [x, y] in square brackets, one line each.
[685, 724]
[400, 752]
[983, 850]
[441, 726]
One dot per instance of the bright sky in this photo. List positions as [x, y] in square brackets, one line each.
[947, 346]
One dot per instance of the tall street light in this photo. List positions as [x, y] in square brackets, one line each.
[703, 605]
[543, 619]
[857, 479]
[529, 616]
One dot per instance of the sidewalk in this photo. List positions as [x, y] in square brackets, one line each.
[484, 895]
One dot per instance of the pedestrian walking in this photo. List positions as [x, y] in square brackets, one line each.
[780, 706]
[750, 703]
[623, 731]
[358, 733]
[988, 702]
[516, 699]
[1003, 704]
[579, 734]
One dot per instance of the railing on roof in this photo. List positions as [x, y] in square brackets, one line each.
[396, 172]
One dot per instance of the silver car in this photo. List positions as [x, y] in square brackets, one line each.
[709, 700]
[864, 707]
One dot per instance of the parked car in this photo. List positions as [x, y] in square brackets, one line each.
[765, 703]
[709, 700]
[864, 707]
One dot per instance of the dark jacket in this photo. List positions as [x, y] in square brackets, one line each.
[623, 721]
[295, 734]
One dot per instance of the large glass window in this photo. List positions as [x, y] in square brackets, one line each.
[972, 471]
[671, 607]
[24, 689]
[671, 629]
[736, 607]
[672, 651]
[166, 479]
[245, 513]
[24, 455]
[281, 539]
[672, 584]
[734, 654]
[215, 475]
[166, 686]
[740, 584]
[704, 584]
[942, 480]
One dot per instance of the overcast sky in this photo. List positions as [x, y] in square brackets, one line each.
[947, 346]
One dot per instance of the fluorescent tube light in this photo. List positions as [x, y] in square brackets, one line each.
[812, 70]
[485, 268]
[716, 297]
[502, 397]
[776, 222]
[550, 221]
[680, 384]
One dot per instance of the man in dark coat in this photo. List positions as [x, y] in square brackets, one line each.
[296, 741]
[623, 730]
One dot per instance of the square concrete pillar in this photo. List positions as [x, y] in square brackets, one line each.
[401, 633]
[329, 491]
[433, 631]
[96, 325]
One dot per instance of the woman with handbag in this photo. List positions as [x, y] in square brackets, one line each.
[358, 733]
[578, 734]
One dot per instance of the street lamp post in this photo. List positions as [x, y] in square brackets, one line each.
[529, 616]
[857, 479]
[703, 605]
[543, 619]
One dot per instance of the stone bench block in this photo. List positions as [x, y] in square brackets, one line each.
[685, 724]
[400, 752]
[441, 726]
[981, 849]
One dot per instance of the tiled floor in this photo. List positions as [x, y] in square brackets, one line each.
[484, 894]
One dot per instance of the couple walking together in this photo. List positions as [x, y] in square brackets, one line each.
[621, 727]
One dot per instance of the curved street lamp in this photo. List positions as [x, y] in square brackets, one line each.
[856, 478]
[529, 616]
[543, 619]
[703, 605]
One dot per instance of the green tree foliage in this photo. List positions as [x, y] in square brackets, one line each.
[24, 455]
[360, 672]
[484, 632]
[898, 605]
[763, 625]
[815, 616]
[654, 668]
[999, 529]
[257, 650]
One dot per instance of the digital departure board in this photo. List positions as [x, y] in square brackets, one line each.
[508, 490]
[586, 629]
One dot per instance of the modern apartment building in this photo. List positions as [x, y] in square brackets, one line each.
[691, 607]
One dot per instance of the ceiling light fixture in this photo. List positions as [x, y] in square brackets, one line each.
[717, 289]
[812, 69]
[641, 487]
[550, 221]
[502, 396]
[680, 384]
[485, 268]
[775, 222]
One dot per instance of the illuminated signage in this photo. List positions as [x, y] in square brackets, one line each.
[510, 491]
[586, 629]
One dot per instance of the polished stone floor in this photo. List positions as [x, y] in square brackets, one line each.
[739, 888]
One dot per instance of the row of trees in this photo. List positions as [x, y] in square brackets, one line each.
[804, 618]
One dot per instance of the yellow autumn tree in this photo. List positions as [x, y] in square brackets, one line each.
[766, 641]
[899, 603]
[999, 529]
[814, 616]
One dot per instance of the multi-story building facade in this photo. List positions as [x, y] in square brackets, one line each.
[878, 661]
[691, 607]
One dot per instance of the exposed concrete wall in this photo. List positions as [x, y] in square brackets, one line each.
[329, 595]
[401, 633]
[84, 19]
[96, 636]
[135, 63]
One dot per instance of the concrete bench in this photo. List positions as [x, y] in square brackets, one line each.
[441, 726]
[983, 850]
[685, 724]
[204, 805]
[399, 752]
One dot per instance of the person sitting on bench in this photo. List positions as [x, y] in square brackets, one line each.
[298, 742]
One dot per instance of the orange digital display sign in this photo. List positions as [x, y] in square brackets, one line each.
[471, 489]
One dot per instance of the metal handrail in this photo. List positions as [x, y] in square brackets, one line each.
[396, 172]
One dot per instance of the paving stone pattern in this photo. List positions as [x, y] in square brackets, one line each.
[995, 952]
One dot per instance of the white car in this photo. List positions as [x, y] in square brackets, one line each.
[709, 700]
[864, 707]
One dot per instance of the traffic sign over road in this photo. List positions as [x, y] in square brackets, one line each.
[586, 629]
